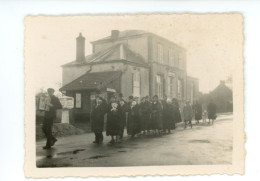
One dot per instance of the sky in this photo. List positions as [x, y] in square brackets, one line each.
[213, 42]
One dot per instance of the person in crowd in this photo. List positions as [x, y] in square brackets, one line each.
[113, 120]
[97, 119]
[197, 111]
[187, 114]
[145, 115]
[123, 106]
[211, 108]
[204, 116]
[133, 120]
[128, 109]
[156, 117]
[176, 112]
[168, 116]
[164, 110]
[52, 105]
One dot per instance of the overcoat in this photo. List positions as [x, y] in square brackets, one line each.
[198, 111]
[187, 113]
[211, 110]
[156, 117]
[145, 115]
[123, 115]
[168, 116]
[113, 121]
[97, 118]
[176, 113]
[51, 114]
[133, 124]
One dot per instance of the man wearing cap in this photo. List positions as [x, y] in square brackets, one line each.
[50, 114]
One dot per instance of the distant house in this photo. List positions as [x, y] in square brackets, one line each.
[131, 62]
[222, 96]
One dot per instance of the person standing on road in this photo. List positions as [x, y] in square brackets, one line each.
[211, 108]
[133, 120]
[168, 117]
[176, 112]
[123, 106]
[50, 114]
[187, 114]
[113, 120]
[198, 111]
[97, 119]
[156, 117]
[145, 115]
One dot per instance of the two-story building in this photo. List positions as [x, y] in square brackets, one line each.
[131, 62]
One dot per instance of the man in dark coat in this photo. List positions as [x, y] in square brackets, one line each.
[168, 116]
[97, 119]
[145, 114]
[211, 108]
[176, 112]
[197, 111]
[156, 117]
[50, 114]
[164, 112]
[128, 109]
[123, 106]
[187, 114]
[133, 120]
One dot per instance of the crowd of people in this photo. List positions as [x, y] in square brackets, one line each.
[144, 117]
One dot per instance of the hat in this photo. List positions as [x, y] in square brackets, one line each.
[50, 90]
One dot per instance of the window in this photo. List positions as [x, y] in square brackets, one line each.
[159, 83]
[160, 53]
[78, 100]
[170, 86]
[180, 87]
[171, 59]
[136, 84]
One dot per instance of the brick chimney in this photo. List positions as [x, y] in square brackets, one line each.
[114, 34]
[80, 48]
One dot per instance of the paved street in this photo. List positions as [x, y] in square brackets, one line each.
[200, 145]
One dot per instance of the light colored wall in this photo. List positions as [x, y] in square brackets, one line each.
[181, 52]
[138, 45]
[117, 66]
[127, 81]
[71, 73]
[165, 71]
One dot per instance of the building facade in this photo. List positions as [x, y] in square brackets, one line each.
[131, 62]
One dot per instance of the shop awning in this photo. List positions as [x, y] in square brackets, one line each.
[90, 81]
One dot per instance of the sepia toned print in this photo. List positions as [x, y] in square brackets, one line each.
[134, 95]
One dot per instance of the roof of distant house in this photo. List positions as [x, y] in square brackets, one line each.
[115, 53]
[130, 34]
[91, 80]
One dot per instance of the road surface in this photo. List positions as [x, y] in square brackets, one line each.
[201, 145]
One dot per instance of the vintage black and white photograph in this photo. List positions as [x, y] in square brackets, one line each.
[134, 92]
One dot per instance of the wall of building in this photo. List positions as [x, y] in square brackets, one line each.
[138, 44]
[165, 71]
[71, 73]
[178, 53]
[127, 81]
